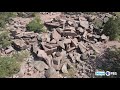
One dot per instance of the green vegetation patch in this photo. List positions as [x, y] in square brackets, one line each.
[8, 66]
[36, 25]
[4, 39]
[112, 29]
[4, 18]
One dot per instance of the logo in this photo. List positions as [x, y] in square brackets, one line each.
[103, 73]
[108, 73]
[100, 73]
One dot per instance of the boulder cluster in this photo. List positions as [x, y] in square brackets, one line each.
[67, 49]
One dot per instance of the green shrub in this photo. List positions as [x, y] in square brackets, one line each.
[112, 29]
[4, 18]
[35, 25]
[4, 39]
[8, 66]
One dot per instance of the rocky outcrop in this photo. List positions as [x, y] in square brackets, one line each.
[69, 43]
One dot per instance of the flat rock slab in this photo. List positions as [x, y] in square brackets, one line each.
[53, 24]
[84, 57]
[56, 35]
[51, 73]
[84, 23]
[95, 48]
[40, 65]
[49, 49]
[69, 33]
[64, 69]
[43, 54]
[48, 17]
[44, 37]
[9, 50]
[20, 44]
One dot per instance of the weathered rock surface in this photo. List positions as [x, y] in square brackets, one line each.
[40, 66]
[64, 69]
[51, 73]
[20, 44]
[70, 42]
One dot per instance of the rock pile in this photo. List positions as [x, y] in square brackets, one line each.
[70, 44]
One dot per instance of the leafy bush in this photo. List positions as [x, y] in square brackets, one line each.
[4, 18]
[35, 25]
[4, 39]
[112, 29]
[8, 66]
